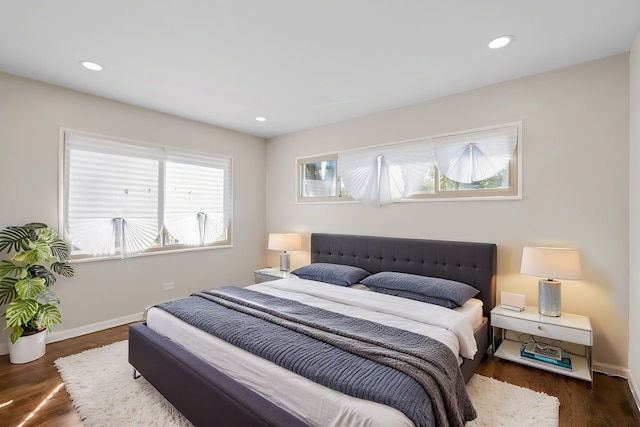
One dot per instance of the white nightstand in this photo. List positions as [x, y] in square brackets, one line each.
[567, 329]
[274, 273]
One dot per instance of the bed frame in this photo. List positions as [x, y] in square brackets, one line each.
[207, 396]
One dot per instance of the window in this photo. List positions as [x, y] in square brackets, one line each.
[482, 163]
[318, 179]
[479, 163]
[122, 198]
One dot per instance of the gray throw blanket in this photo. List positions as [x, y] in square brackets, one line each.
[415, 374]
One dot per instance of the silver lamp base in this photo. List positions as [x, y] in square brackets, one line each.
[285, 264]
[549, 298]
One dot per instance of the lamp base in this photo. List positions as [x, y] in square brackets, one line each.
[549, 297]
[284, 261]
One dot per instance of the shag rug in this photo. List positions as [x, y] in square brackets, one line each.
[101, 385]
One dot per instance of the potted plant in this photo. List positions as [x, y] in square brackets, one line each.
[25, 286]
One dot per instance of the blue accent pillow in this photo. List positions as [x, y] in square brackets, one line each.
[415, 296]
[434, 290]
[337, 274]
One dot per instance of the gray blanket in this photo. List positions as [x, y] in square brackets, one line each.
[415, 374]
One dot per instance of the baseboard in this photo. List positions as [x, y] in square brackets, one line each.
[84, 330]
[635, 391]
[611, 370]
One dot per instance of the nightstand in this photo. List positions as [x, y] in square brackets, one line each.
[568, 330]
[266, 274]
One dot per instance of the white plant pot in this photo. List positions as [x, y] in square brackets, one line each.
[28, 348]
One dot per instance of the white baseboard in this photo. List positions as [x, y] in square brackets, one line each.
[84, 330]
[611, 370]
[635, 391]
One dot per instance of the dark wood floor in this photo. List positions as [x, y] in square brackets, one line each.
[34, 389]
[610, 404]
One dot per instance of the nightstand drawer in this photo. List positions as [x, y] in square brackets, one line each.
[557, 332]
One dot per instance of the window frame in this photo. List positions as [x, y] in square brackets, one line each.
[513, 192]
[484, 194]
[154, 249]
[300, 162]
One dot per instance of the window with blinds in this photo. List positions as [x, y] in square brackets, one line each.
[122, 198]
[472, 164]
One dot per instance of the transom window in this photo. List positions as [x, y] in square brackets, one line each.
[318, 179]
[482, 163]
[122, 198]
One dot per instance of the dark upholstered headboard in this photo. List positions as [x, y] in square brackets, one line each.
[467, 262]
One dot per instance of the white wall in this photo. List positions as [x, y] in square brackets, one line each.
[634, 222]
[575, 181]
[31, 115]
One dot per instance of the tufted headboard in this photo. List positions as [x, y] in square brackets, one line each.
[467, 262]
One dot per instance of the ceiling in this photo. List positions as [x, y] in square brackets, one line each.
[299, 63]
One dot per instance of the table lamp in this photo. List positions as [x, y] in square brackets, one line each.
[284, 242]
[552, 263]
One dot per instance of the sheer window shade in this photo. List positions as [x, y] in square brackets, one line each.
[385, 174]
[475, 156]
[117, 198]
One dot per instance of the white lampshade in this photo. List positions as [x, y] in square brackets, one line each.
[550, 264]
[284, 242]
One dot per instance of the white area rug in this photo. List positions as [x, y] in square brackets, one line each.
[103, 390]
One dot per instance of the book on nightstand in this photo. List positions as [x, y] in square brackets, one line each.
[551, 355]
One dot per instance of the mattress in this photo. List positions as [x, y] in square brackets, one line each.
[314, 403]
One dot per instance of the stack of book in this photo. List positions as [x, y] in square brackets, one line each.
[546, 353]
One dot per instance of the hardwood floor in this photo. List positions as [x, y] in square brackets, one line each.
[36, 383]
[610, 404]
[36, 388]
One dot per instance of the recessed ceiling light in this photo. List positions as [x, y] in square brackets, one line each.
[501, 41]
[261, 119]
[91, 65]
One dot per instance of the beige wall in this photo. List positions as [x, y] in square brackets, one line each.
[575, 181]
[31, 114]
[634, 221]
[575, 185]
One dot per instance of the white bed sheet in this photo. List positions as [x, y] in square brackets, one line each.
[451, 327]
[315, 404]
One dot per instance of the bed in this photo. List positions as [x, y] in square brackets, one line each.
[208, 395]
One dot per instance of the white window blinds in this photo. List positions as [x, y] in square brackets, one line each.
[198, 207]
[118, 196]
[475, 156]
[112, 195]
[385, 174]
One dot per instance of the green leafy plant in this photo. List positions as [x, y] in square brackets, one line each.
[25, 284]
